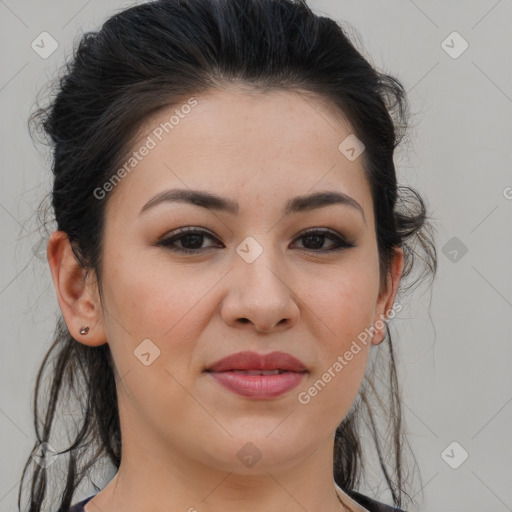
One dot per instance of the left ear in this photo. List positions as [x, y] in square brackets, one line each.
[387, 296]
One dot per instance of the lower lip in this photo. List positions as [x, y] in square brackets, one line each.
[258, 386]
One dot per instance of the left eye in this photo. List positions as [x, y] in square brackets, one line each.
[319, 236]
[191, 240]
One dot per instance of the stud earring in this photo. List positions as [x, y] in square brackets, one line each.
[84, 330]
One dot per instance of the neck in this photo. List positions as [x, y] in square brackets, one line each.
[170, 481]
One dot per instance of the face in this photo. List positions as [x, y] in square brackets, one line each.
[248, 275]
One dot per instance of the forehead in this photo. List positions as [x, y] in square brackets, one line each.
[263, 146]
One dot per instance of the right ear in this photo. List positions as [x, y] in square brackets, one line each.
[77, 291]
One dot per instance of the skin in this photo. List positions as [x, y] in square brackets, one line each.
[181, 430]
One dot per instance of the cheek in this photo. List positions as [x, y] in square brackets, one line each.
[151, 301]
[148, 298]
[344, 309]
[343, 303]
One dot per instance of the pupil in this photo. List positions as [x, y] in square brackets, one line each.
[318, 238]
[197, 238]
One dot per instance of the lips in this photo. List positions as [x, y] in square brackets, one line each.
[252, 363]
[254, 375]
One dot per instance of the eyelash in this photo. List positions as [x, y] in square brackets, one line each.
[341, 243]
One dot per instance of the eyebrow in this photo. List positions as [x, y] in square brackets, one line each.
[215, 202]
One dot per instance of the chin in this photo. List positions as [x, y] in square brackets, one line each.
[252, 451]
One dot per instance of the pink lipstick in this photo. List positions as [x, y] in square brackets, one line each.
[258, 375]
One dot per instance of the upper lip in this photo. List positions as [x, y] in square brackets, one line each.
[254, 361]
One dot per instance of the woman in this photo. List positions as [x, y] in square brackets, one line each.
[230, 245]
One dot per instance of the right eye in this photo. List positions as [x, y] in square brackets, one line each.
[190, 238]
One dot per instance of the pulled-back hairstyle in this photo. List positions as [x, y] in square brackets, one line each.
[153, 56]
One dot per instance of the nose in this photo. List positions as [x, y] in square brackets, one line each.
[259, 295]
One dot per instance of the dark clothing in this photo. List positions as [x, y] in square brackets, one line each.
[368, 503]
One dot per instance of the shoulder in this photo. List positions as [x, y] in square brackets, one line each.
[370, 504]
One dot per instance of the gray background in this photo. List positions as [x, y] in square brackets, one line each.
[454, 338]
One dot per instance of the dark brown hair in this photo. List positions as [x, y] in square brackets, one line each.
[152, 56]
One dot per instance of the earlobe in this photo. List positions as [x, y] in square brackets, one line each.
[387, 297]
[76, 291]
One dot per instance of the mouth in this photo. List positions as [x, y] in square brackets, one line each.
[258, 372]
[252, 361]
[254, 375]
[258, 384]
